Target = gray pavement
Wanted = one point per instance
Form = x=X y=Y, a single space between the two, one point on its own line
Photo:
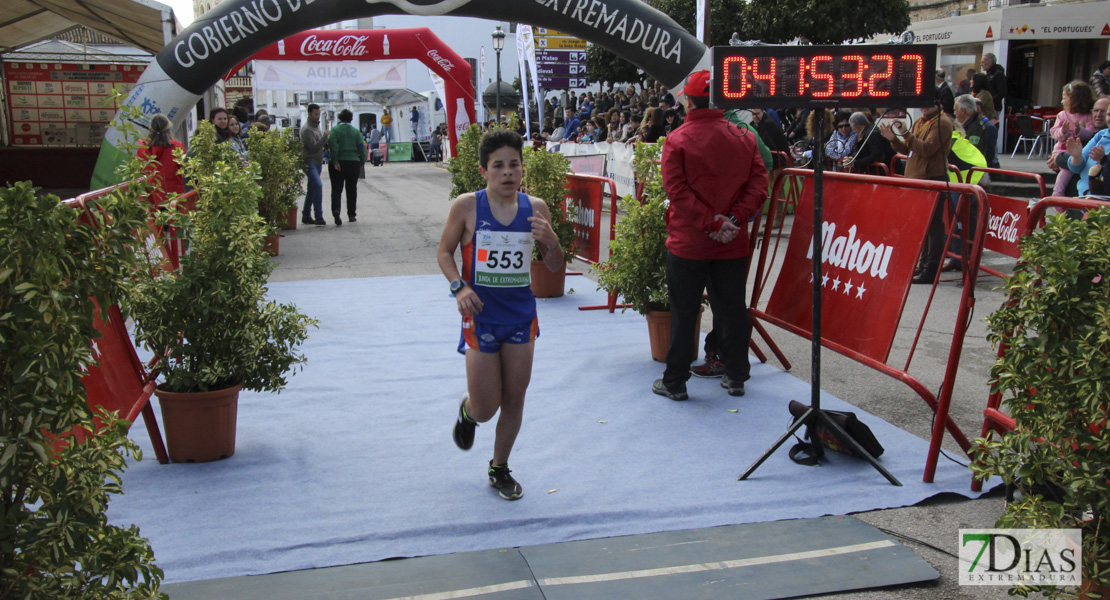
x=401 y=211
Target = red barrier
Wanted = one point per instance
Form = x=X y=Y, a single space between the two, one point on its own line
x=118 y=382
x=587 y=193
x=871 y=244
x=994 y=420
x=1007 y=218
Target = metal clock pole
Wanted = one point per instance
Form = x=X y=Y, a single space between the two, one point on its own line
x=814 y=414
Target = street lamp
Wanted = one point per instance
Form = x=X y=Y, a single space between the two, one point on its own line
x=498 y=45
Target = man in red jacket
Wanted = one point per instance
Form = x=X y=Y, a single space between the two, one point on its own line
x=715 y=181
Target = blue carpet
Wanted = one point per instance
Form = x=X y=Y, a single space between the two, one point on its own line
x=354 y=461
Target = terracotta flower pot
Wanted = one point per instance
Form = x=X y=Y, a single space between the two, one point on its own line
x=200 y=427
x=272 y=243
x=546 y=284
x=291 y=218
x=659 y=334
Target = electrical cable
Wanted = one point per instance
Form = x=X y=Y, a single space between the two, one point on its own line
x=914 y=540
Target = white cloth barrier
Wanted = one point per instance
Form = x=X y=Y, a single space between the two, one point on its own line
x=618 y=161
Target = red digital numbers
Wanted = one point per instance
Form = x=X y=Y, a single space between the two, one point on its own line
x=920 y=60
x=861 y=85
x=820 y=76
x=826 y=77
x=889 y=60
x=736 y=67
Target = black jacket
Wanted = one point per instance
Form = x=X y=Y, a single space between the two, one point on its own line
x=947 y=99
x=875 y=150
x=996 y=75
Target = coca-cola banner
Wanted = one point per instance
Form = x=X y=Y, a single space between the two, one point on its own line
x=1005 y=224
x=871 y=238
x=323 y=76
x=235 y=29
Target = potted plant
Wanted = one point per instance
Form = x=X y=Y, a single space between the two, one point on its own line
x=211 y=322
x=545 y=177
x=55 y=539
x=1053 y=375
x=637 y=265
x=282 y=166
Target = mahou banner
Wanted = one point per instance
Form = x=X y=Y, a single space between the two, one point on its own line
x=871 y=238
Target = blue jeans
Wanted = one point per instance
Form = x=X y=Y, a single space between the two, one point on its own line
x=314 y=195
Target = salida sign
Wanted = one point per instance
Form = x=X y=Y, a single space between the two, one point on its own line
x=870 y=243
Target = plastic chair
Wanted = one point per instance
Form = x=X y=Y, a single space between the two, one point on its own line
x=1030 y=134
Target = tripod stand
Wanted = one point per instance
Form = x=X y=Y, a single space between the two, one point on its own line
x=814 y=414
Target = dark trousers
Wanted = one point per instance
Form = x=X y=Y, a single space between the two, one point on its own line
x=932 y=253
x=713 y=339
x=347 y=178
x=725 y=281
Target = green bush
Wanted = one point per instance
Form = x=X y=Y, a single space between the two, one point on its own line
x=1055 y=377
x=463 y=167
x=282 y=168
x=55 y=541
x=545 y=177
x=637 y=265
x=211 y=320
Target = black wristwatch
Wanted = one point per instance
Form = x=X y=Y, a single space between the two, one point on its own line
x=457 y=285
x=734 y=220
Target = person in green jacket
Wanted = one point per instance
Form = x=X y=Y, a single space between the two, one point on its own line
x=347 y=153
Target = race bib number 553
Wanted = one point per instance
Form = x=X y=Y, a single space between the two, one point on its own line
x=504 y=259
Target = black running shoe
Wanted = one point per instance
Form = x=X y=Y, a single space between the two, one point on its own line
x=506 y=486
x=735 y=388
x=464 y=428
x=661 y=388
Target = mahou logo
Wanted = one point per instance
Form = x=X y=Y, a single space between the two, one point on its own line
x=443 y=62
x=348 y=46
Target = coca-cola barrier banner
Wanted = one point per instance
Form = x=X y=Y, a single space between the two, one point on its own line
x=235 y=29
x=871 y=238
x=1005 y=224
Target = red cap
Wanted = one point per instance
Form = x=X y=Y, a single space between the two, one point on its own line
x=697 y=84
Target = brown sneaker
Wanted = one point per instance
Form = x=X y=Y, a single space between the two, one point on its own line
x=711 y=368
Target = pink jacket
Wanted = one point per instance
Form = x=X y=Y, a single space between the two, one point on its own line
x=1086 y=125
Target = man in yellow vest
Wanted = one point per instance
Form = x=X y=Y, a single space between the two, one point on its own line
x=964 y=155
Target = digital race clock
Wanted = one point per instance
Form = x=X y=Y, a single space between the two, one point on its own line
x=889 y=75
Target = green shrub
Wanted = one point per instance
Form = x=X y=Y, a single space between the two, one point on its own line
x=637 y=265
x=55 y=541
x=545 y=177
x=463 y=167
x=1055 y=377
x=282 y=168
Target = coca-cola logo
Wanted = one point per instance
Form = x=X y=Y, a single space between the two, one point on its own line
x=1004 y=226
x=443 y=62
x=349 y=46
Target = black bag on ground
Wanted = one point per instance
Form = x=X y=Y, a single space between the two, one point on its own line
x=821 y=437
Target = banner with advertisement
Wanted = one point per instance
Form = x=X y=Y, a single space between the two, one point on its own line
x=329 y=76
x=586 y=195
x=618 y=161
x=869 y=251
x=1005 y=224
x=52 y=104
x=234 y=30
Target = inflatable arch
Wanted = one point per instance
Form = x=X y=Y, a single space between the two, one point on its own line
x=231 y=32
x=378 y=44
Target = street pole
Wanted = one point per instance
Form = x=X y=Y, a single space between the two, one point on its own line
x=498 y=44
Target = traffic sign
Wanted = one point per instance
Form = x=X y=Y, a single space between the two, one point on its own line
x=560 y=56
x=560 y=43
x=560 y=70
x=548 y=82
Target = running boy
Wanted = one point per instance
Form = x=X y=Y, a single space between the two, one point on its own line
x=497 y=227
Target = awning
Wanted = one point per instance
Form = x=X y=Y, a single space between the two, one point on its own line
x=143 y=24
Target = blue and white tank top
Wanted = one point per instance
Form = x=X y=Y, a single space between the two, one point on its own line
x=497 y=263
